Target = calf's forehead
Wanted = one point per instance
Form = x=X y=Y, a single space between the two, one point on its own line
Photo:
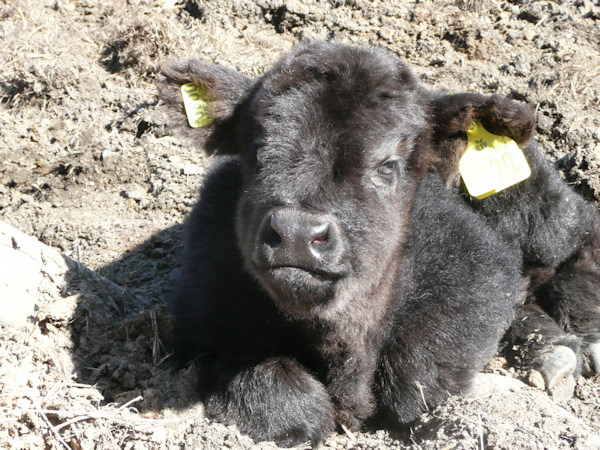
x=344 y=107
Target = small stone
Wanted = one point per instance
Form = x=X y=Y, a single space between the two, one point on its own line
x=89 y=433
x=107 y=155
x=110 y=160
x=563 y=391
x=26 y=198
x=595 y=356
x=191 y=169
x=521 y=65
x=545 y=123
x=296 y=7
x=135 y=192
x=536 y=380
x=387 y=34
x=23 y=403
x=174 y=159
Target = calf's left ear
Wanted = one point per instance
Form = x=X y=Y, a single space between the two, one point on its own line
x=223 y=91
x=453 y=115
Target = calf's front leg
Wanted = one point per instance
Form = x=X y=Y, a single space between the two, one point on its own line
x=273 y=400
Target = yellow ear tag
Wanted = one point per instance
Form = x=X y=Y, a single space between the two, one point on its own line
x=195 y=102
x=491 y=163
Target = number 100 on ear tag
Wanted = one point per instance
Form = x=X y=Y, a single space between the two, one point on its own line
x=195 y=103
x=491 y=163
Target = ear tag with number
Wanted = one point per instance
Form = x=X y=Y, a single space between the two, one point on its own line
x=491 y=163
x=195 y=102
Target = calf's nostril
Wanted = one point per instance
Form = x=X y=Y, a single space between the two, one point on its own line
x=275 y=225
x=298 y=234
x=273 y=234
x=319 y=240
x=319 y=234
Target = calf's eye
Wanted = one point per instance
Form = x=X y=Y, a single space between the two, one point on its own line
x=387 y=173
x=256 y=148
x=388 y=168
x=259 y=155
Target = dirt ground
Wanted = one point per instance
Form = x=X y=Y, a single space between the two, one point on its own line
x=87 y=168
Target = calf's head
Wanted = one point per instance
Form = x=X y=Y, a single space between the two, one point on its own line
x=333 y=142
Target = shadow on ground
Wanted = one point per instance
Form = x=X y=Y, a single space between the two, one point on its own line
x=121 y=331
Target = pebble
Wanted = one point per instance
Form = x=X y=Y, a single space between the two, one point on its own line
x=107 y=155
x=563 y=391
x=536 y=380
x=135 y=192
x=296 y=7
x=191 y=169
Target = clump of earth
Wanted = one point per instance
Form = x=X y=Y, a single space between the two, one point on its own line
x=100 y=191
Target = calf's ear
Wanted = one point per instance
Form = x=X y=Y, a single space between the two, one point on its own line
x=224 y=91
x=453 y=114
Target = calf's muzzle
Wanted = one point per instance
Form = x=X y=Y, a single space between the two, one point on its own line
x=296 y=238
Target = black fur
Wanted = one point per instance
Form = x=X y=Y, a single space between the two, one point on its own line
x=556 y=230
x=459 y=288
x=333 y=271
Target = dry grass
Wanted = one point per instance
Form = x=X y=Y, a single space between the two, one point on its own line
x=44 y=54
x=578 y=85
x=45 y=419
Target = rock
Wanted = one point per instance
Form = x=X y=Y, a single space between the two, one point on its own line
x=563 y=390
x=595 y=356
x=532 y=13
x=545 y=123
x=110 y=160
x=27 y=268
x=135 y=192
x=536 y=380
x=107 y=155
x=191 y=169
x=556 y=366
x=296 y=7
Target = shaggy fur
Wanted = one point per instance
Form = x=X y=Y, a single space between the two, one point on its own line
x=333 y=272
x=556 y=231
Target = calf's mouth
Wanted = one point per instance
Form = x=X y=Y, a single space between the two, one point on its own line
x=300 y=255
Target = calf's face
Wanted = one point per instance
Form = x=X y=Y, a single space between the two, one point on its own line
x=333 y=142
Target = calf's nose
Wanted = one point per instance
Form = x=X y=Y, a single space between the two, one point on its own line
x=300 y=231
x=292 y=237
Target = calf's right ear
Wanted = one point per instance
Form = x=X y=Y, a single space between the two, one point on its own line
x=453 y=114
x=224 y=90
